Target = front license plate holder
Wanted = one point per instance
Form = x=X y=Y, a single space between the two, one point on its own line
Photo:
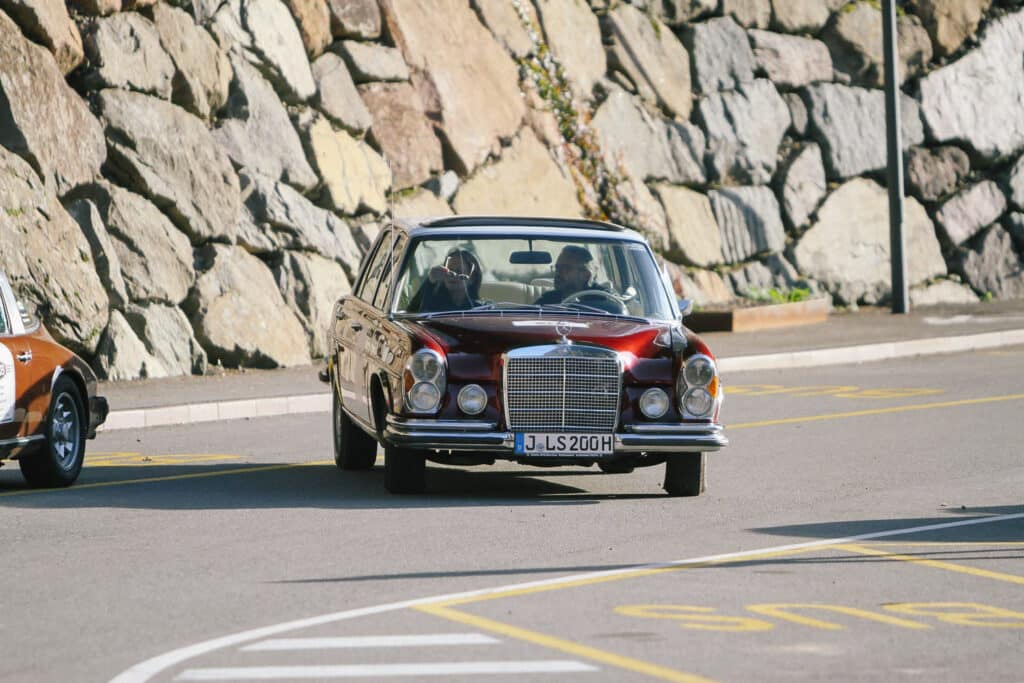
x=564 y=445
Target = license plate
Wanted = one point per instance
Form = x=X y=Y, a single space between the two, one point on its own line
x=564 y=444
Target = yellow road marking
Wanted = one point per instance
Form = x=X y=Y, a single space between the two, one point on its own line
x=834 y=390
x=877 y=411
x=174 y=477
x=135 y=459
x=567 y=646
x=936 y=564
x=779 y=611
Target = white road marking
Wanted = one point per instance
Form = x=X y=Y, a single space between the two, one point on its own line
x=423 y=640
x=266 y=673
x=144 y=671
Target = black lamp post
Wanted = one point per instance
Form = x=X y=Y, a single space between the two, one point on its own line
x=894 y=176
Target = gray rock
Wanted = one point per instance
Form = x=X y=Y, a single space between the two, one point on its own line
x=775 y=272
x=750 y=221
x=419 y=205
x=653 y=58
x=337 y=96
x=104 y=256
x=155 y=257
x=469 y=81
x=259 y=134
x=525 y=181
x=47 y=258
x=636 y=207
x=403 y=132
x=238 y=313
x=310 y=285
x=720 y=55
x=444 y=185
x=168 y=337
x=749 y=13
x=799 y=16
x=313 y=19
x=42 y=119
x=993 y=266
x=648 y=148
x=355 y=178
x=277 y=41
x=372 y=62
x=977 y=100
x=679 y=12
x=950 y=22
x=791 y=61
x=744 y=129
x=95 y=8
x=125 y=52
x=203 y=72
x=854 y=36
x=1014 y=224
x=941 y=292
x=934 y=173
x=1015 y=183
x=501 y=18
x=703 y=287
x=359 y=19
x=694 y=237
x=970 y=210
x=846 y=122
x=47 y=23
x=122 y=356
x=797 y=113
x=290 y=221
x=847 y=249
x=166 y=154
x=803 y=185
x=574 y=37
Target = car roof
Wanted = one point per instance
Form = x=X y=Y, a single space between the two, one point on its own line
x=500 y=225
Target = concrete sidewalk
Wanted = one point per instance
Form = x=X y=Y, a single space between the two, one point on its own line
x=846 y=337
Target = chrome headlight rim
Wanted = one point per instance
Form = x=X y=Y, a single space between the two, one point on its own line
x=700 y=393
x=691 y=366
x=436 y=379
x=651 y=395
x=464 y=397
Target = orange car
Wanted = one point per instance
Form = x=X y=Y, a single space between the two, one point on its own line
x=48 y=401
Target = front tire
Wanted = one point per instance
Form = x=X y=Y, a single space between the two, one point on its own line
x=685 y=474
x=59 y=463
x=405 y=470
x=354 y=449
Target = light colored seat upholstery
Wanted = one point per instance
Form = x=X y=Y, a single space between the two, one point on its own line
x=511 y=292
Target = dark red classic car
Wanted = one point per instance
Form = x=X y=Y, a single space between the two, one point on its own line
x=48 y=401
x=543 y=341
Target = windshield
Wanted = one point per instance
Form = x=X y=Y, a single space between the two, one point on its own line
x=445 y=274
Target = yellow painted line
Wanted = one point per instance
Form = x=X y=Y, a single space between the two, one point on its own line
x=935 y=564
x=175 y=477
x=934 y=544
x=877 y=411
x=567 y=646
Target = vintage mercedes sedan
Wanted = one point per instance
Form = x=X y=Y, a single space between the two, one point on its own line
x=48 y=401
x=547 y=342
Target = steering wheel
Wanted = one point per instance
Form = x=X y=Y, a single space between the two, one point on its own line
x=614 y=304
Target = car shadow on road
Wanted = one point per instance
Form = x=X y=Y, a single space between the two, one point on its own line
x=308 y=485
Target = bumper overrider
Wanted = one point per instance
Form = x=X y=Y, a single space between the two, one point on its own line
x=479 y=435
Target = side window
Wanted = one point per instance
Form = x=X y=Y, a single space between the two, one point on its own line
x=368 y=287
x=4 y=327
x=383 y=297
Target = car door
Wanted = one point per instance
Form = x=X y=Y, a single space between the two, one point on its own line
x=14 y=377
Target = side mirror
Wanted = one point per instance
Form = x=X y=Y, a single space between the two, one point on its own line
x=685 y=307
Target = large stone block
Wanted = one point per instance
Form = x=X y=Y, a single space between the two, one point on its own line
x=124 y=51
x=573 y=33
x=791 y=61
x=42 y=119
x=803 y=185
x=950 y=22
x=168 y=337
x=501 y=18
x=337 y=96
x=368 y=62
x=313 y=19
x=166 y=154
x=970 y=210
x=935 y=173
x=403 y=132
x=854 y=36
x=355 y=178
x=977 y=100
x=720 y=55
x=203 y=70
x=122 y=356
x=310 y=285
x=847 y=249
x=694 y=237
x=360 y=19
x=991 y=266
x=750 y=221
x=47 y=23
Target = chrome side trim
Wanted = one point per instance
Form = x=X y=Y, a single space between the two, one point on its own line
x=653 y=428
x=408 y=424
x=21 y=441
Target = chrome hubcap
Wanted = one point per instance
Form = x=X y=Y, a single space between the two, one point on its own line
x=65 y=431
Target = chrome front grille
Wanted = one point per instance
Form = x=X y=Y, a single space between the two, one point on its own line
x=562 y=391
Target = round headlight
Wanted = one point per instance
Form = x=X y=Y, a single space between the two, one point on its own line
x=699 y=371
x=472 y=399
x=654 y=403
x=424 y=396
x=698 y=402
x=426 y=365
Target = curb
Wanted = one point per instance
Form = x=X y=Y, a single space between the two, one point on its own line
x=196 y=413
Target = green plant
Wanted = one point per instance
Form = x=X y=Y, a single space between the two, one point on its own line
x=987 y=297
x=779 y=296
x=15 y=212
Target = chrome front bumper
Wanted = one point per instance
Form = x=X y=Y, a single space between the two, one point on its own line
x=476 y=435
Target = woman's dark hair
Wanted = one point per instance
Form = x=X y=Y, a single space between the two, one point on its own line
x=476 y=274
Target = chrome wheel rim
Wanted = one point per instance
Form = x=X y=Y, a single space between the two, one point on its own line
x=65 y=431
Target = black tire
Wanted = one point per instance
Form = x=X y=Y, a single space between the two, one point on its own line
x=685 y=474
x=615 y=467
x=354 y=449
x=405 y=470
x=59 y=462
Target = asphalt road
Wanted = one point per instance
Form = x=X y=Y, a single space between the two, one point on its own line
x=866 y=523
